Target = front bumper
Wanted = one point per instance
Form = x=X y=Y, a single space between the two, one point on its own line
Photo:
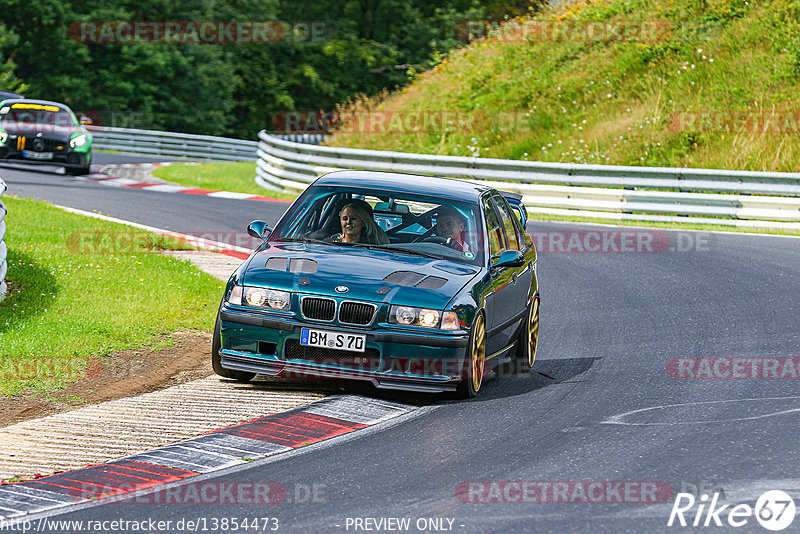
x=62 y=158
x=393 y=359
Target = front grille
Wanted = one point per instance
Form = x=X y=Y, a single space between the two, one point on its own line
x=370 y=360
x=48 y=145
x=356 y=313
x=318 y=309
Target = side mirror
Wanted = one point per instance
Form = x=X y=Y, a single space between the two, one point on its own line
x=86 y=121
x=508 y=258
x=259 y=230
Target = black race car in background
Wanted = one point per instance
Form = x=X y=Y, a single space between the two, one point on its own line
x=44 y=132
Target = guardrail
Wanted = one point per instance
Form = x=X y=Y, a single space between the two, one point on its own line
x=731 y=198
x=172 y=144
x=184 y=146
x=3 y=251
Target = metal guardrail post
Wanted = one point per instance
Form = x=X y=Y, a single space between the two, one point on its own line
x=3 y=250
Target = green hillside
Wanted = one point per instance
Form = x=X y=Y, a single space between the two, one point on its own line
x=692 y=83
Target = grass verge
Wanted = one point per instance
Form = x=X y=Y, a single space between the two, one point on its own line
x=236 y=176
x=83 y=288
x=705 y=84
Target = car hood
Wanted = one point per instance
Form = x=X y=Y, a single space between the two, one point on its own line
x=368 y=275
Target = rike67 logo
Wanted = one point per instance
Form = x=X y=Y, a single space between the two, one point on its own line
x=774 y=511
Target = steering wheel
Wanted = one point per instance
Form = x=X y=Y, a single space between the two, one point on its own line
x=424 y=237
x=436 y=239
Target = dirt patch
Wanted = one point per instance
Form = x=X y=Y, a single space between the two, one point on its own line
x=9 y=288
x=123 y=374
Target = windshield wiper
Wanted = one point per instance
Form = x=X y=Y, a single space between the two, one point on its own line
x=397 y=249
x=304 y=240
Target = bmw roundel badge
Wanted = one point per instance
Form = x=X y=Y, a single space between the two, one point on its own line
x=342 y=289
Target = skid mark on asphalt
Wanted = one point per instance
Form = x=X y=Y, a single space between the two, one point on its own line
x=228 y=447
x=657 y=412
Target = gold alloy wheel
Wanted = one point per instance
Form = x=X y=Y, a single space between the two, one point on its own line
x=533 y=331
x=478 y=356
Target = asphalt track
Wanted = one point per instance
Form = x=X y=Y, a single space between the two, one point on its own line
x=611 y=322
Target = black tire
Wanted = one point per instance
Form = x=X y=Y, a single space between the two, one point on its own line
x=241 y=376
x=528 y=339
x=79 y=170
x=476 y=360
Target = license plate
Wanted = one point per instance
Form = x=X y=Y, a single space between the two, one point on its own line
x=311 y=337
x=37 y=155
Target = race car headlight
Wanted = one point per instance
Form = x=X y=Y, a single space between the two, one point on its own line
x=3 y=137
x=261 y=297
x=77 y=141
x=424 y=317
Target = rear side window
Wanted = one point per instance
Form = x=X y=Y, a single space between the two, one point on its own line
x=494 y=229
x=507 y=219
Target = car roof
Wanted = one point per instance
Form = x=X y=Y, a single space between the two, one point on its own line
x=32 y=101
x=405 y=183
x=5 y=95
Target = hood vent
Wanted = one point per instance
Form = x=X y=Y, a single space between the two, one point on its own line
x=295 y=265
x=302 y=265
x=276 y=264
x=412 y=279
x=404 y=278
x=431 y=282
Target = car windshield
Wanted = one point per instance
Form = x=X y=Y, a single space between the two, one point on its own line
x=400 y=222
x=36 y=117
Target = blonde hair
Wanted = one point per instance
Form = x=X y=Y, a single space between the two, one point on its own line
x=371 y=233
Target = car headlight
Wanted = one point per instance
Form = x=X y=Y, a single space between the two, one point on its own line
x=266 y=298
x=260 y=297
x=3 y=137
x=77 y=141
x=424 y=317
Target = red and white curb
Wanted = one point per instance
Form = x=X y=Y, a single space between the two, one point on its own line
x=234 y=251
x=221 y=449
x=135 y=176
